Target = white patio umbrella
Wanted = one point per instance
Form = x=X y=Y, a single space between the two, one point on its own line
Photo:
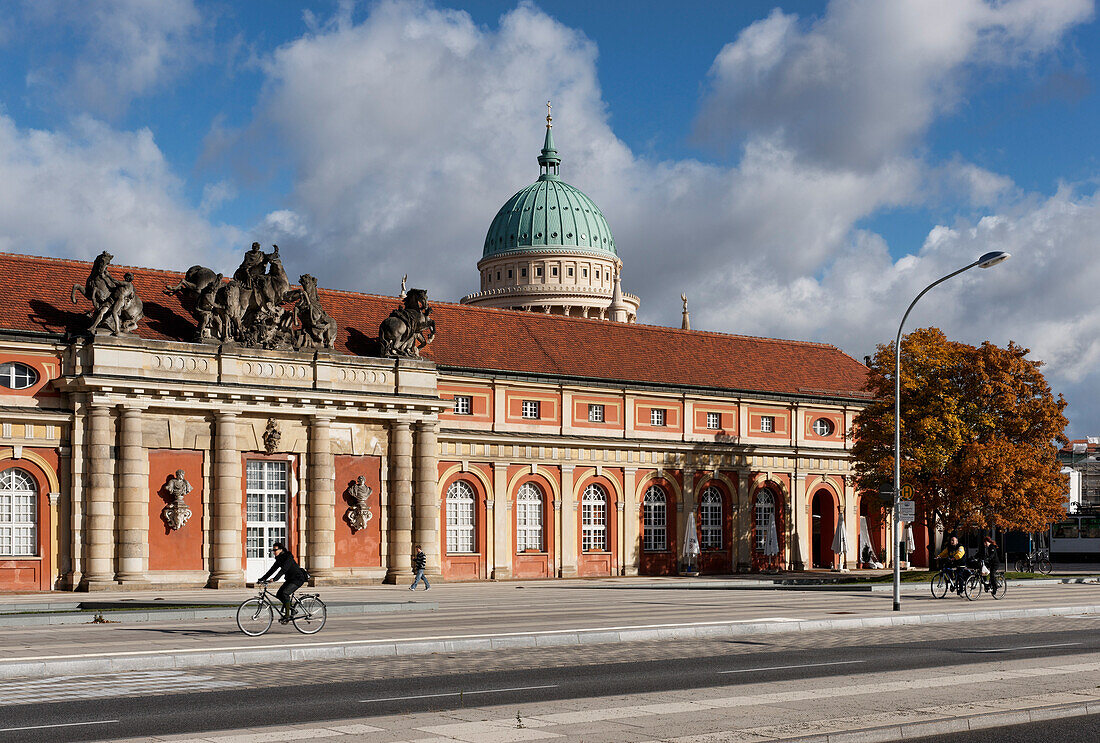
x=771 y=539
x=910 y=542
x=840 y=542
x=691 y=539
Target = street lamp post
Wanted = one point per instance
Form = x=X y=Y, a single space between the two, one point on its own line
x=986 y=261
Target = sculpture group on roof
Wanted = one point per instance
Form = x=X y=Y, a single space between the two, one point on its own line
x=257 y=308
x=114 y=302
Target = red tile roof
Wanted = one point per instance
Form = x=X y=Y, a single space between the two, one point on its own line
x=35 y=296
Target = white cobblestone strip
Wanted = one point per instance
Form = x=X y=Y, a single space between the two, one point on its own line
x=65 y=688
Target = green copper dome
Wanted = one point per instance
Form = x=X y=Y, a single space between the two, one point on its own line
x=549 y=215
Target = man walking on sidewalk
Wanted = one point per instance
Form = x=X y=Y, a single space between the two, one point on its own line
x=420 y=561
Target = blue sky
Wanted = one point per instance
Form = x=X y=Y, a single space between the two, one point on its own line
x=800 y=169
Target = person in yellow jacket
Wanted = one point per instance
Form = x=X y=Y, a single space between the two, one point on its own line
x=954 y=555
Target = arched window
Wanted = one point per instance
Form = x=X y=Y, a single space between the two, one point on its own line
x=594 y=518
x=529 y=517
x=655 y=520
x=460 y=517
x=18 y=513
x=765 y=517
x=710 y=518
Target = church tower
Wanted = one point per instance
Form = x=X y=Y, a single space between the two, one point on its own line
x=550 y=249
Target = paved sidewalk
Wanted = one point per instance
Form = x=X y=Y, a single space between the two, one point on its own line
x=842 y=709
x=485 y=616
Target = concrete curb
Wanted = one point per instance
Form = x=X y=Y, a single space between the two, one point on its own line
x=799 y=585
x=912 y=730
x=85 y=616
x=142 y=660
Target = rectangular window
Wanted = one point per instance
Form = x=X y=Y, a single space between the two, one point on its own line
x=464 y=405
x=531 y=409
x=498 y=275
x=509 y=273
x=18 y=515
x=767 y=423
x=569 y=271
x=597 y=275
x=656 y=416
x=266 y=491
x=595 y=413
x=523 y=272
x=538 y=270
x=714 y=421
x=584 y=273
x=554 y=271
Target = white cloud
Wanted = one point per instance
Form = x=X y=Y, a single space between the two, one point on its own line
x=96 y=188
x=862 y=84
x=123 y=48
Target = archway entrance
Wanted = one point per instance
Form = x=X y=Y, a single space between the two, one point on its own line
x=822 y=528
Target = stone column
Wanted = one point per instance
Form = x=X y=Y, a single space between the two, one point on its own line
x=401 y=503
x=568 y=526
x=99 y=570
x=631 y=547
x=746 y=520
x=798 y=546
x=133 y=500
x=322 y=500
x=426 y=520
x=228 y=521
x=77 y=459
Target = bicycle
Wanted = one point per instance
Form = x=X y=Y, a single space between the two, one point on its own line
x=978 y=582
x=255 y=615
x=945 y=581
x=1035 y=561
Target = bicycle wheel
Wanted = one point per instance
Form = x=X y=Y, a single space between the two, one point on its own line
x=972 y=588
x=939 y=585
x=1002 y=587
x=254 y=617
x=1022 y=566
x=310 y=615
x=1044 y=566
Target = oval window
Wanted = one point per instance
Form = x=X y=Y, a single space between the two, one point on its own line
x=17 y=376
x=823 y=427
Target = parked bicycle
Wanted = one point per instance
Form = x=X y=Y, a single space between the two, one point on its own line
x=255 y=615
x=1037 y=561
x=946 y=580
x=983 y=581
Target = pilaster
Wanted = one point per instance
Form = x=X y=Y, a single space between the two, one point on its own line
x=427 y=494
x=401 y=502
x=630 y=519
x=322 y=500
x=567 y=527
x=133 y=516
x=228 y=552
x=100 y=520
x=501 y=528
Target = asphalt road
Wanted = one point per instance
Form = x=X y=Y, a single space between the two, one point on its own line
x=320 y=697
x=1084 y=729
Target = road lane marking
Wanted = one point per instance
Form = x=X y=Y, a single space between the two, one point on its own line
x=59 y=725
x=1022 y=647
x=806 y=665
x=459 y=693
x=384 y=641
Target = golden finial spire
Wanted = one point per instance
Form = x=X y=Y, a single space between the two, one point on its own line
x=549 y=118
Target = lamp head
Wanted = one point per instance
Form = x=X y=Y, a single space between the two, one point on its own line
x=992 y=259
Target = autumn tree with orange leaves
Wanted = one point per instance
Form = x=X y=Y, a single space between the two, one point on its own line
x=979 y=433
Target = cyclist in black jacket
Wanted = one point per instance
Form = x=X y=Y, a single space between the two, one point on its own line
x=294 y=577
x=989 y=557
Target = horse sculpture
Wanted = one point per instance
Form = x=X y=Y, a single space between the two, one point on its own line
x=97 y=289
x=408 y=328
x=194 y=282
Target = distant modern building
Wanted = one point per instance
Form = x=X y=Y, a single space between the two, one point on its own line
x=523 y=445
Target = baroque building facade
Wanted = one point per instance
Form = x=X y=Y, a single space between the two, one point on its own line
x=201 y=419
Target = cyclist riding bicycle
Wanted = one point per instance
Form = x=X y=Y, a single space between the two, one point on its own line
x=293 y=574
x=954 y=555
x=989 y=557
